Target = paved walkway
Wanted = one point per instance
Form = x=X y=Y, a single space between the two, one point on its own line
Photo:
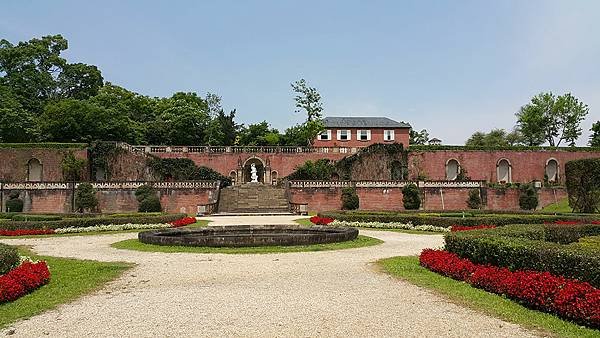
x=329 y=294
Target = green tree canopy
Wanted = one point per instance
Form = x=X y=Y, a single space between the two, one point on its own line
x=258 y=134
x=495 y=138
x=595 y=137
x=419 y=137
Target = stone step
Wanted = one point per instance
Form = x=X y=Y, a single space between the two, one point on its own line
x=252 y=198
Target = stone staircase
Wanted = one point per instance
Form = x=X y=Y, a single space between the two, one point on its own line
x=253 y=198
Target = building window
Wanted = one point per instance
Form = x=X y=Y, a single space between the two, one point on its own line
x=452 y=170
x=388 y=135
x=343 y=135
x=363 y=135
x=325 y=136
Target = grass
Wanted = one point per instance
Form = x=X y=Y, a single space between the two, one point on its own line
x=307 y=222
x=561 y=206
x=70 y=279
x=134 y=244
x=198 y=224
x=408 y=268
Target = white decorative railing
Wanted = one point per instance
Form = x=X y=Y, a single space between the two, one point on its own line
x=451 y=184
x=130 y=185
x=239 y=150
x=320 y=184
x=385 y=184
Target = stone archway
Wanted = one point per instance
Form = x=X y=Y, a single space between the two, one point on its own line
x=34 y=170
x=262 y=170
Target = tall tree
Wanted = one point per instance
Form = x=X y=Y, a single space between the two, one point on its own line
x=495 y=138
x=308 y=100
x=419 y=137
x=258 y=134
x=595 y=137
x=222 y=129
x=79 y=81
x=16 y=124
x=551 y=119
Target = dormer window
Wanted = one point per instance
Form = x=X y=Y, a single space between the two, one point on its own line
x=388 y=135
x=343 y=135
x=325 y=135
x=363 y=135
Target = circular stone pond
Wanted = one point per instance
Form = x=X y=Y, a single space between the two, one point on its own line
x=248 y=235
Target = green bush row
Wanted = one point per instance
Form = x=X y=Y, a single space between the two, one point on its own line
x=522 y=247
x=87 y=222
x=9 y=258
x=444 y=221
x=49 y=145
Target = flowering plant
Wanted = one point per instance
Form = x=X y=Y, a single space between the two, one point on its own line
x=25 y=232
x=567 y=298
x=321 y=220
x=456 y=228
x=183 y=222
x=390 y=225
x=23 y=279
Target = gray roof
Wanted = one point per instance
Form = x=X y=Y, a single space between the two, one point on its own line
x=363 y=122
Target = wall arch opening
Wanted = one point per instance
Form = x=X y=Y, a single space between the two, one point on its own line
x=452 y=169
x=504 y=171
x=551 y=171
x=34 y=170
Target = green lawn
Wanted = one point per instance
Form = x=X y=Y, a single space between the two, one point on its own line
x=69 y=280
x=408 y=268
x=198 y=224
x=561 y=206
x=134 y=244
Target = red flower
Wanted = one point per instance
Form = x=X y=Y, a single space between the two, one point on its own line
x=321 y=220
x=568 y=298
x=23 y=279
x=25 y=232
x=455 y=228
x=183 y=222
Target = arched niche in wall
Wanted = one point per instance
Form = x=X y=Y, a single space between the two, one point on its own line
x=233 y=176
x=552 y=170
x=34 y=170
x=452 y=169
x=396 y=171
x=504 y=171
x=274 y=177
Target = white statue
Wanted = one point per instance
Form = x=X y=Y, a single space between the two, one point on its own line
x=253 y=174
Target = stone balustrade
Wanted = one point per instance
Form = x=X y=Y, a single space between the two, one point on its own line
x=385 y=184
x=237 y=150
x=129 y=185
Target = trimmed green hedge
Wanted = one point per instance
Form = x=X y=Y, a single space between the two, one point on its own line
x=583 y=184
x=88 y=221
x=49 y=145
x=513 y=148
x=446 y=220
x=526 y=247
x=9 y=258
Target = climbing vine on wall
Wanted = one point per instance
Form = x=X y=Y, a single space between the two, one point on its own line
x=101 y=154
x=183 y=169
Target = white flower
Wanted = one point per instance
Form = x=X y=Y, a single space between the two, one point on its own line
x=112 y=227
x=390 y=225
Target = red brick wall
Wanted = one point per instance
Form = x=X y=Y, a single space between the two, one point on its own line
x=13 y=162
x=401 y=135
x=46 y=201
x=481 y=165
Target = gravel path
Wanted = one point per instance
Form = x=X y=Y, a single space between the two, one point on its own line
x=330 y=294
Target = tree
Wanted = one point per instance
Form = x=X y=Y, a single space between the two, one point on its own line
x=72 y=167
x=308 y=99
x=474 y=200
x=258 y=134
x=16 y=124
x=419 y=138
x=350 y=200
x=595 y=137
x=147 y=199
x=85 y=198
x=79 y=81
x=551 y=119
x=495 y=138
x=411 y=197
x=222 y=129
x=183 y=121
x=528 y=197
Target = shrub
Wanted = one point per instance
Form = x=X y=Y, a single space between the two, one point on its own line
x=321 y=169
x=9 y=258
x=350 y=199
x=72 y=167
x=183 y=169
x=85 y=198
x=520 y=247
x=474 y=200
x=147 y=199
x=583 y=184
x=528 y=197
x=22 y=280
x=14 y=205
x=411 y=197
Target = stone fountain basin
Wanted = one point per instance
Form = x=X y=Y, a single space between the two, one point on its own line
x=248 y=235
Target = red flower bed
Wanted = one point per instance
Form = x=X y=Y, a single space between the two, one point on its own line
x=455 y=228
x=183 y=222
x=573 y=222
x=321 y=220
x=567 y=298
x=23 y=279
x=26 y=232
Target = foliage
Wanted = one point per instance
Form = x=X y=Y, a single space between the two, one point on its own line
x=183 y=169
x=411 y=197
x=474 y=200
x=569 y=298
x=72 y=167
x=16 y=123
x=418 y=137
x=148 y=201
x=552 y=119
x=420 y=148
x=520 y=247
x=22 y=280
x=101 y=154
x=308 y=100
x=528 y=197
x=14 y=203
x=9 y=258
x=259 y=134
x=321 y=169
x=390 y=225
x=495 y=138
x=90 y=220
x=46 y=145
x=595 y=136
x=350 y=200
x=583 y=184
x=85 y=198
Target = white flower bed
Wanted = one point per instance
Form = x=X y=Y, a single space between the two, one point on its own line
x=113 y=227
x=390 y=225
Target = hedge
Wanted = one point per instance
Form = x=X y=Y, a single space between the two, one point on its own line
x=444 y=221
x=522 y=247
x=583 y=184
x=9 y=258
x=49 y=145
x=88 y=222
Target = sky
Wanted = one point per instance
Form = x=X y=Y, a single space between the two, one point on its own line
x=452 y=67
